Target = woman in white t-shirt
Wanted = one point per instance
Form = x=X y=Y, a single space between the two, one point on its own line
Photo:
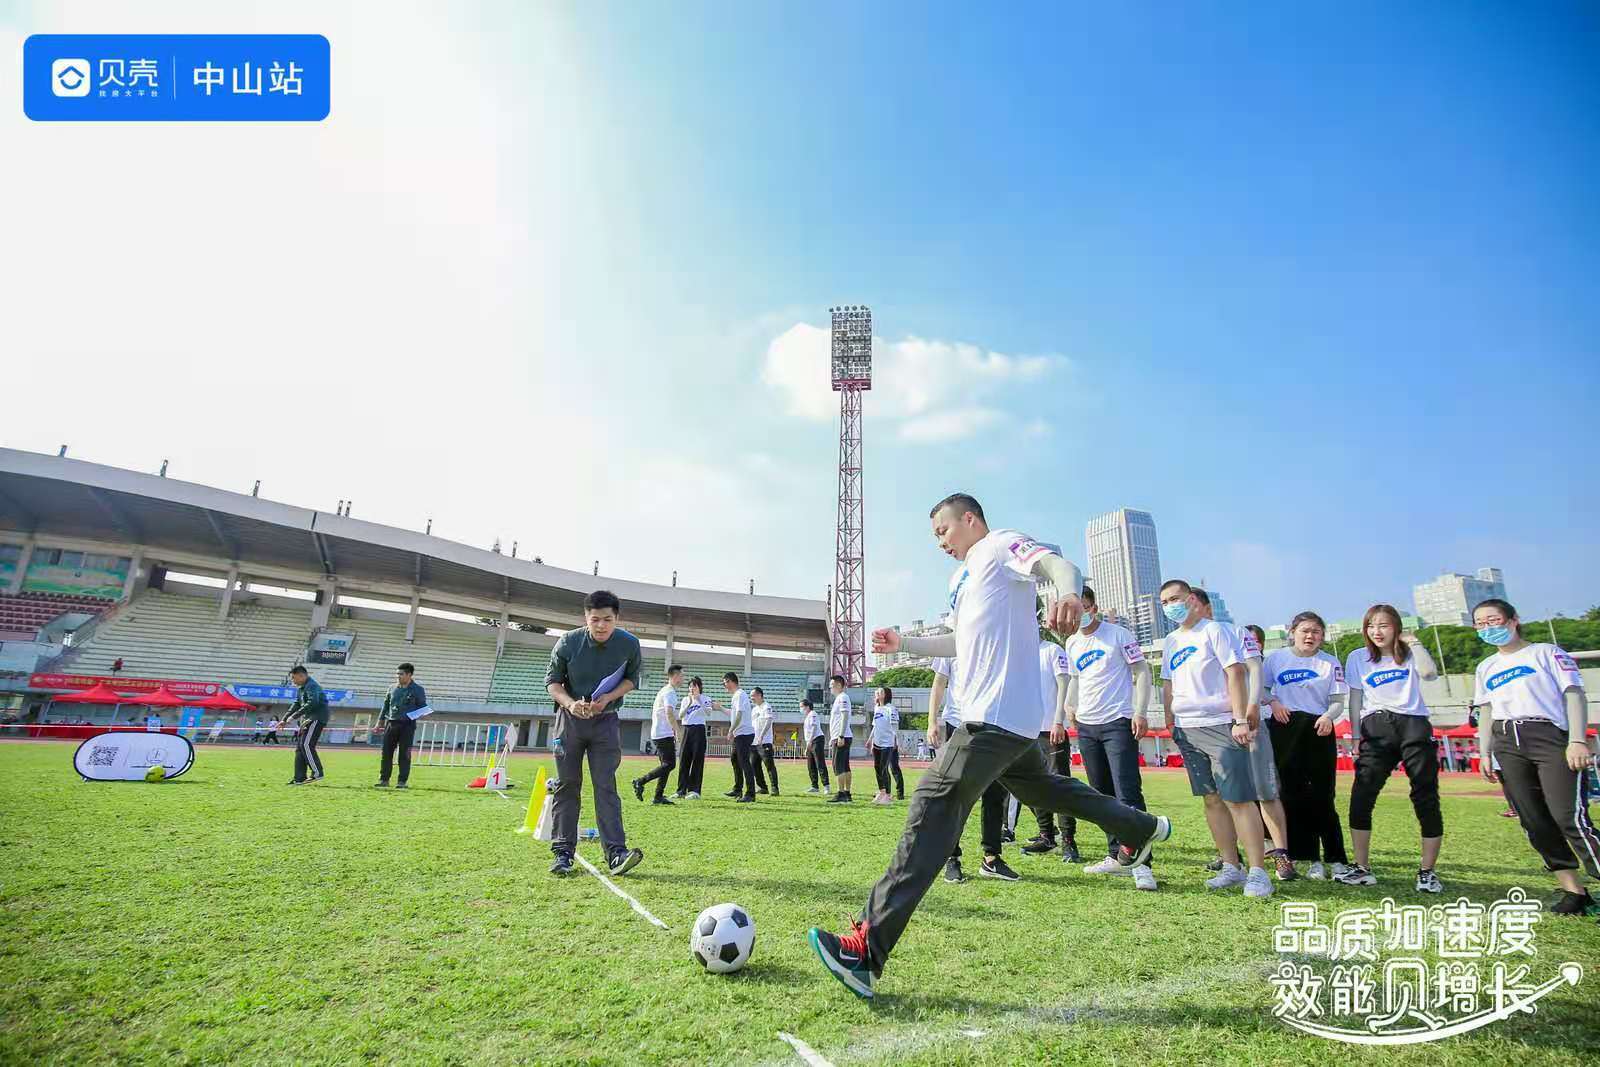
x=885 y=746
x=761 y=719
x=1390 y=726
x=692 y=761
x=1536 y=726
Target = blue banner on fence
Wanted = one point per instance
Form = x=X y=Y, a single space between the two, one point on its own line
x=175 y=77
x=286 y=693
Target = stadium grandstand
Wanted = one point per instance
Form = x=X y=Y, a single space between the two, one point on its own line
x=134 y=579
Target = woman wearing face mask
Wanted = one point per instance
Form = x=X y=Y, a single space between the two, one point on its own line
x=1536 y=727
x=1385 y=676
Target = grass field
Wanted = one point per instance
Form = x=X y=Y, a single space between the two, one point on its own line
x=225 y=917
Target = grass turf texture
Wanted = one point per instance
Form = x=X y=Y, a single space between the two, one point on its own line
x=225 y=917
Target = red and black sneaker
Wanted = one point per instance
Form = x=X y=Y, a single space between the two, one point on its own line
x=1128 y=858
x=848 y=958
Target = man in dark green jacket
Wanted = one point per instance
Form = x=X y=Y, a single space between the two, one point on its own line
x=311 y=707
x=406 y=696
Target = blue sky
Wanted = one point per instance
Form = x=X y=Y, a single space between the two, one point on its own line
x=1319 y=290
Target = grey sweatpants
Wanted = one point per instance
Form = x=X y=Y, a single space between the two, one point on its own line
x=972 y=760
x=600 y=740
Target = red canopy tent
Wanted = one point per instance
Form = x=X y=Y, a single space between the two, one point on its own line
x=1465 y=730
x=161 y=698
x=1341 y=728
x=222 y=700
x=99 y=693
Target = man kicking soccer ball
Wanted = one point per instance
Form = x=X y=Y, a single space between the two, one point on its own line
x=996 y=650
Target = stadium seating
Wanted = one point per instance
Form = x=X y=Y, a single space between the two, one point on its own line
x=519 y=679
x=453 y=660
x=26 y=613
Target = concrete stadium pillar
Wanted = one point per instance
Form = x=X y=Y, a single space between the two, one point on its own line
x=22 y=567
x=132 y=581
x=320 y=613
x=411 y=619
x=227 y=594
x=500 y=635
x=672 y=640
x=749 y=655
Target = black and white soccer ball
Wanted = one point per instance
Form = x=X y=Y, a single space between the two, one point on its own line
x=722 y=938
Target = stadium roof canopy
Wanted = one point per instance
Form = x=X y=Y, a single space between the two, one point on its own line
x=182 y=523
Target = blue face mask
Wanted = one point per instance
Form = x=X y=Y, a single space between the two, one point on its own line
x=1177 y=612
x=1087 y=620
x=1496 y=635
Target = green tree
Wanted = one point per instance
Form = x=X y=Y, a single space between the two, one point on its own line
x=1592 y=615
x=905 y=678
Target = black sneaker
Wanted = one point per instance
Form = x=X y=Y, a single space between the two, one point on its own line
x=1283 y=864
x=1428 y=882
x=625 y=860
x=400 y=785
x=732 y=794
x=661 y=800
x=381 y=785
x=561 y=866
x=297 y=781
x=1069 y=851
x=996 y=868
x=748 y=799
x=638 y=788
x=1575 y=904
x=848 y=958
x=761 y=789
x=1039 y=846
x=952 y=871
x=1356 y=874
x=1007 y=835
x=838 y=798
x=1136 y=857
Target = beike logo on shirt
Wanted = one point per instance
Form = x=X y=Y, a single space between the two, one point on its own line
x=1299 y=674
x=1090 y=657
x=1181 y=656
x=956 y=592
x=1497 y=680
x=1385 y=677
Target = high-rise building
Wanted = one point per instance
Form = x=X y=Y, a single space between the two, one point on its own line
x=1219 y=607
x=1450 y=598
x=918 y=628
x=1125 y=570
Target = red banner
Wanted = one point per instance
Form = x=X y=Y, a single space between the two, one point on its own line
x=77 y=682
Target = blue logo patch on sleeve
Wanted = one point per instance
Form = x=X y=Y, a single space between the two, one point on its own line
x=1090 y=657
x=1510 y=675
x=1299 y=674
x=1181 y=656
x=1378 y=678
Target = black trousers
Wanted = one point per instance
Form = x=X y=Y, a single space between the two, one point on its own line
x=692 y=763
x=1111 y=763
x=991 y=810
x=306 y=761
x=886 y=764
x=744 y=764
x=397 y=739
x=763 y=755
x=974 y=759
x=1307 y=766
x=1059 y=759
x=667 y=754
x=1551 y=799
x=817 y=760
x=1388 y=740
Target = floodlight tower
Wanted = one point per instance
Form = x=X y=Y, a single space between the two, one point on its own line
x=852 y=376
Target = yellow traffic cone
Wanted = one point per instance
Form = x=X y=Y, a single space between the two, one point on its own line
x=530 y=822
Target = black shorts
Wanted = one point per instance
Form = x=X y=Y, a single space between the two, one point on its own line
x=841 y=758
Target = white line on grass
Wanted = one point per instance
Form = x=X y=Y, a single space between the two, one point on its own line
x=805 y=1051
x=609 y=884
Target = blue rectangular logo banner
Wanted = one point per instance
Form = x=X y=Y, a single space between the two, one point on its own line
x=175 y=77
x=286 y=693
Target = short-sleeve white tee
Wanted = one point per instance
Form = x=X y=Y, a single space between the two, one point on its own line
x=1193 y=663
x=1052 y=665
x=694 y=710
x=950 y=714
x=1528 y=683
x=739 y=708
x=660 y=724
x=1301 y=683
x=1103 y=663
x=1385 y=685
x=885 y=725
x=812 y=726
x=839 y=719
x=761 y=719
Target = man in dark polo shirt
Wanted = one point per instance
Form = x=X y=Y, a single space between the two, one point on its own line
x=311 y=706
x=591 y=669
x=406 y=696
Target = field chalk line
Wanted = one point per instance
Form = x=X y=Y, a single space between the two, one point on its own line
x=609 y=884
x=812 y=1057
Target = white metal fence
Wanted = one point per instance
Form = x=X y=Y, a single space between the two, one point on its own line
x=457 y=744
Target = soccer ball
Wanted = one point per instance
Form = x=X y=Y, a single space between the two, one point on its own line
x=722 y=938
x=156 y=773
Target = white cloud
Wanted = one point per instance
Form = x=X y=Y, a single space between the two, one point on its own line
x=937 y=390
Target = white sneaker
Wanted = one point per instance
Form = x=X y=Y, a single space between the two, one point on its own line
x=1317 y=872
x=1337 y=870
x=826 y=791
x=1257 y=884
x=1229 y=877
x=883 y=798
x=812 y=791
x=692 y=796
x=1109 y=865
x=1144 y=878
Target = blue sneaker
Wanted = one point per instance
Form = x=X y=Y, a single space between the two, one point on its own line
x=848 y=958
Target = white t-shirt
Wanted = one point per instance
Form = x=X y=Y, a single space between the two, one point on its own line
x=695 y=711
x=839 y=719
x=761 y=719
x=885 y=725
x=1192 y=664
x=660 y=725
x=1306 y=684
x=812 y=725
x=1386 y=685
x=951 y=712
x=739 y=713
x=1103 y=663
x=1248 y=645
x=1528 y=683
x=1053 y=664
x=993 y=607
